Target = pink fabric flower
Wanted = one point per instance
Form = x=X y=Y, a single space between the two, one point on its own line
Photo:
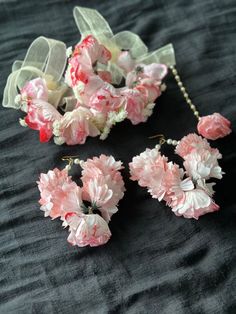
x=84 y=57
x=35 y=89
x=102 y=165
x=148 y=168
x=96 y=51
x=155 y=71
x=195 y=204
x=162 y=178
x=149 y=88
x=152 y=71
x=104 y=100
x=103 y=184
x=214 y=126
x=40 y=116
x=75 y=126
x=136 y=103
x=192 y=142
x=77 y=73
x=86 y=230
x=203 y=164
x=59 y=194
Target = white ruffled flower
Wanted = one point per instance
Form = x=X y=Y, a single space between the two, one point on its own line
x=195 y=204
x=203 y=164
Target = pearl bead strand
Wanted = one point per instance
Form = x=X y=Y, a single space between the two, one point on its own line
x=184 y=92
x=168 y=141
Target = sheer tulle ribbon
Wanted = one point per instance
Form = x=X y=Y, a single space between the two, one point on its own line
x=90 y=21
x=45 y=58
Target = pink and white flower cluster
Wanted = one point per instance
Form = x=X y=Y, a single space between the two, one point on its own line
x=214 y=126
x=86 y=210
x=187 y=191
x=97 y=103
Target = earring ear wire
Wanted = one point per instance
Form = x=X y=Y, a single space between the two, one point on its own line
x=71 y=160
x=161 y=137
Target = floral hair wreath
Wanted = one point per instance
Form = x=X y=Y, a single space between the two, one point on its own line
x=86 y=210
x=86 y=101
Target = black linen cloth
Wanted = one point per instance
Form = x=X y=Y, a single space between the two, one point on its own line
x=155 y=262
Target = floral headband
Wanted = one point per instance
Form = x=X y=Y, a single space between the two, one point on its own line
x=87 y=101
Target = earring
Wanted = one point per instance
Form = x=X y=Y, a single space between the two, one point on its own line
x=86 y=210
x=186 y=190
x=213 y=126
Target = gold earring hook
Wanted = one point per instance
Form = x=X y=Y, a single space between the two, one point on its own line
x=161 y=137
x=70 y=159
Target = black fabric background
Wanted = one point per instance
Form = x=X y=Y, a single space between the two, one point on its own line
x=155 y=261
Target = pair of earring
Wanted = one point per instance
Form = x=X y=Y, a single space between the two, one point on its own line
x=87 y=210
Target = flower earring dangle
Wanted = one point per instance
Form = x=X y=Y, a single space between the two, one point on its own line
x=186 y=190
x=86 y=210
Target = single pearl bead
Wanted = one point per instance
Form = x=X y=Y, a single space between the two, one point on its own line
x=174 y=142
x=169 y=141
x=68 y=167
x=76 y=161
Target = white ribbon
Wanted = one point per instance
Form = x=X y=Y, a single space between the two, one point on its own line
x=90 y=21
x=45 y=58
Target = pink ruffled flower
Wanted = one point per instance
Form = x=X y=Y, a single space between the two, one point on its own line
x=152 y=71
x=59 y=194
x=203 y=164
x=214 y=126
x=155 y=71
x=103 y=184
x=105 y=101
x=41 y=116
x=149 y=88
x=77 y=73
x=172 y=186
x=86 y=230
x=162 y=178
x=148 y=168
x=35 y=89
x=195 y=204
x=102 y=165
x=96 y=51
x=190 y=143
x=85 y=55
x=75 y=126
x=136 y=103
